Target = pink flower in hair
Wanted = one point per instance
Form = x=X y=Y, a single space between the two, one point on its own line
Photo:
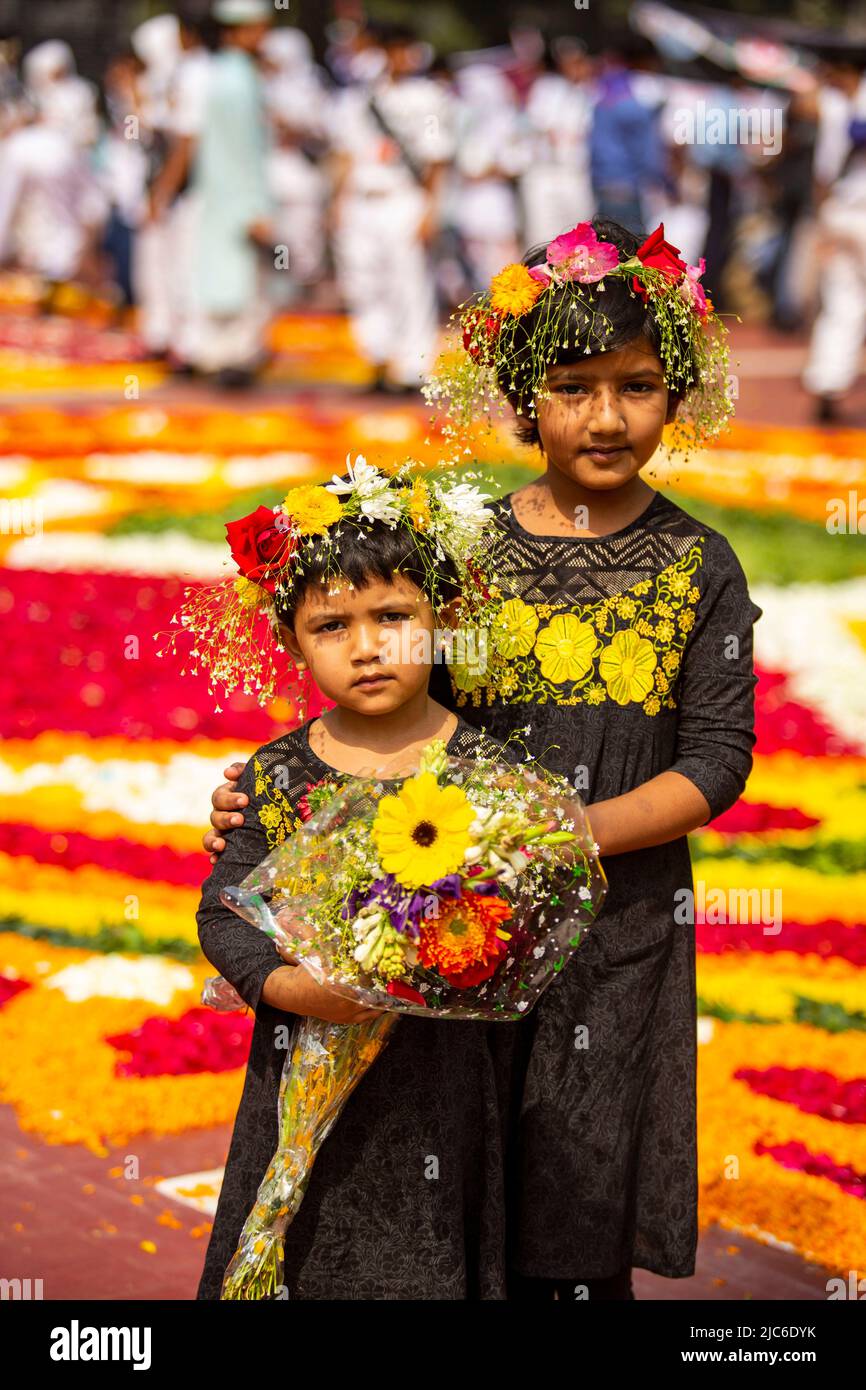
x=694 y=293
x=579 y=255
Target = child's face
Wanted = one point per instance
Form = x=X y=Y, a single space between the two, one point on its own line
x=604 y=416
x=344 y=635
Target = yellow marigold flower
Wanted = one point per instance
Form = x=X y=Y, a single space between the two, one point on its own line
x=513 y=290
x=564 y=648
x=665 y=631
x=626 y=667
x=422 y=833
x=251 y=595
x=313 y=509
x=651 y=705
x=514 y=628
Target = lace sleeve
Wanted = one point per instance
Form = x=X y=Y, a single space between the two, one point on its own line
x=240 y=952
x=715 y=730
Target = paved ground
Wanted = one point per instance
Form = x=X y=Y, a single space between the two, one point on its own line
x=75 y=1222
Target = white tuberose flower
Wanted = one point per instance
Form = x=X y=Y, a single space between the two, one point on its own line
x=370 y=487
x=463 y=505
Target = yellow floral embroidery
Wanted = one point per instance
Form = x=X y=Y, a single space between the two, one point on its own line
x=626 y=666
x=469 y=675
x=514 y=628
x=626 y=648
x=276 y=815
x=565 y=648
x=679 y=584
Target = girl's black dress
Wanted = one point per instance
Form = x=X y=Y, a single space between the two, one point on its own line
x=628 y=655
x=406 y=1198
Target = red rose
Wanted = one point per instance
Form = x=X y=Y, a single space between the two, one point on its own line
x=401 y=991
x=658 y=254
x=258 y=545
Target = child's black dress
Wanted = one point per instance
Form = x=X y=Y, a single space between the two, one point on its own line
x=628 y=655
x=406 y=1198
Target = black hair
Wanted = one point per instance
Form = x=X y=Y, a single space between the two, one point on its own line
x=367 y=551
x=625 y=313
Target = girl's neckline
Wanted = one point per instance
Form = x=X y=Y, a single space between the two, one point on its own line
x=329 y=767
x=584 y=540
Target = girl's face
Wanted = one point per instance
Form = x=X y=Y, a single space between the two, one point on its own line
x=604 y=416
x=369 y=650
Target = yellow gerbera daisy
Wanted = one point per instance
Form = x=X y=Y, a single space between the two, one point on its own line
x=626 y=666
x=564 y=648
x=422 y=833
x=513 y=290
x=514 y=628
x=313 y=509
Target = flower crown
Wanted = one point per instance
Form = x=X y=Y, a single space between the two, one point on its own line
x=272 y=546
x=499 y=348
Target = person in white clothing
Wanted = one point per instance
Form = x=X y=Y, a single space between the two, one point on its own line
x=489 y=156
x=556 y=188
x=51 y=208
x=174 y=205
x=297 y=101
x=157 y=43
x=61 y=98
x=392 y=142
x=839 y=330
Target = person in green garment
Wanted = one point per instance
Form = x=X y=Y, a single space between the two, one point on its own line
x=229 y=175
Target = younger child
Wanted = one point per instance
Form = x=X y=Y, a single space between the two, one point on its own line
x=406 y=1198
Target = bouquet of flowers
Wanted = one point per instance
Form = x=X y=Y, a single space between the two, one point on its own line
x=461 y=894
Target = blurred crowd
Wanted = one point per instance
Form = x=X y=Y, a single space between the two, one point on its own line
x=220 y=173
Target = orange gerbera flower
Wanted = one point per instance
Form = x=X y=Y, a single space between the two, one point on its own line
x=464 y=943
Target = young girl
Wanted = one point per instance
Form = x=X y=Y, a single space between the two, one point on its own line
x=626 y=646
x=406 y=1198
